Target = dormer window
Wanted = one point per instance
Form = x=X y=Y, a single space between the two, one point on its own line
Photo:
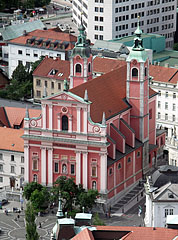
x=170 y=195
x=134 y=72
x=53 y=72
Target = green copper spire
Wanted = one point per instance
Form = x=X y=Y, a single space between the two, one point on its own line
x=138 y=42
x=82 y=46
x=138 y=52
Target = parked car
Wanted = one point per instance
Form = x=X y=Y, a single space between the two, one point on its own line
x=3 y=201
x=16 y=210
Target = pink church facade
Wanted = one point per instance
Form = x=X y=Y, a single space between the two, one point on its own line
x=102 y=132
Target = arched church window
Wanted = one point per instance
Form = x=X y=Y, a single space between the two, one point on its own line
x=64 y=168
x=78 y=68
x=145 y=72
x=80 y=40
x=94 y=185
x=64 y=123
x=134 y=72
x=89 y=67
x=35 y=178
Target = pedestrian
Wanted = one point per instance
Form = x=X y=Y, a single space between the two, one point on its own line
x=18 y=216
x=39 y=224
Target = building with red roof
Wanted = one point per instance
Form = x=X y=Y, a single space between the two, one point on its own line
x=101 y=131
x=31 y=46
x=49 y=76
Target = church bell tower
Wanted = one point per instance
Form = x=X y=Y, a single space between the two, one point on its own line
x=81 y=61
x=137 y=88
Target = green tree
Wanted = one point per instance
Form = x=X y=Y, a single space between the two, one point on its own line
x=20 y=85
x=87 y=199
x=40 y=199
x=68 y=190
x=30 y=188
x=31 y=232
x=98 y=221
x=175 y=47
x=73 y=196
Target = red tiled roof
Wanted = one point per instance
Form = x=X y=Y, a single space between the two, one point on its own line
x=163 y=74
x=16 y=115
x=84 y=235
x=104 y=65
x=146 y=233
x=107 y=93
x=3 y=118
x=52 y=34
x=48 y=64
x=11 y=139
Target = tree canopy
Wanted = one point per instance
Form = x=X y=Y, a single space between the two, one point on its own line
x=73 y=196
x=38 y=195
x=30 y=188
x=8 y=4
x=31 y=232
x=20 y=86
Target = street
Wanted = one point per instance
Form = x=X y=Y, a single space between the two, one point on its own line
x=14 y=228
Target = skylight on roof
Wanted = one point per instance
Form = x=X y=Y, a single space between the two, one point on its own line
x=60 y=74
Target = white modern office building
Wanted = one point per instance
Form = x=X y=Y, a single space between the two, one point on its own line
x=109 y=19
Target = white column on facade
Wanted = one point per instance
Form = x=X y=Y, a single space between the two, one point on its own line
x=26 y=159
x=43 y=165
x=78 y=119
x=50 y=167
x=85 y=170
x=70 y=123
x=59 y=122
x=85 y=120
x=44 y=115
x=78 y=167
x=103 y=173
x=50 y=116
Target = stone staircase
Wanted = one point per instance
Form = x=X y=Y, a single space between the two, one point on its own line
x=127 y=199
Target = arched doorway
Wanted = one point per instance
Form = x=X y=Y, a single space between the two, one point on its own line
x=12 y=181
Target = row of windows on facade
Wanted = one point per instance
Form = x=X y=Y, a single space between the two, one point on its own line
x=12 y=169
x=149 y=12
x=35 y=179
x=36 y=53
x=64 y=169
x=166 y=117
x=166 y=106
x=167 y=94
x=12 y=158
x=38 y=83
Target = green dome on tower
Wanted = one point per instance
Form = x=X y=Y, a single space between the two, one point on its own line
x=82 y=46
